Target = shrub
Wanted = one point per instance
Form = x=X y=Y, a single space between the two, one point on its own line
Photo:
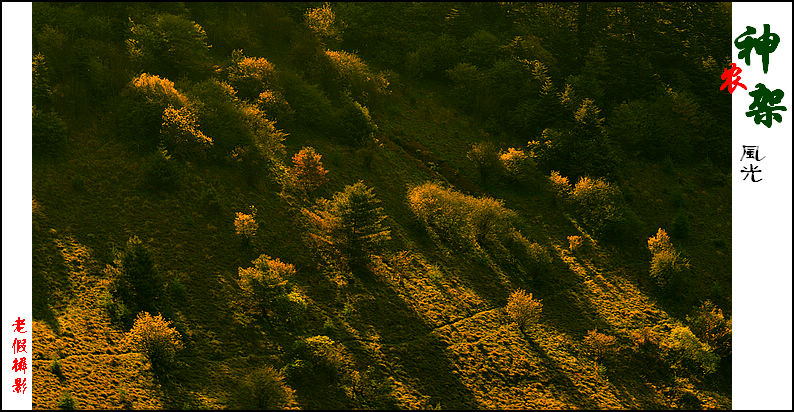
x=680 y=225
x=180 y=131
x=599 y=344
x=351 y=221
x=523 y=309
x=42 y=89
x=245 y=224
x=141 y=111
x=156 y=339
x=560 y=185
x=161 y=172
x=275 y=105
x=515 y=163
x=136 y=279
x=355 y=123
x=485 y=158
x=355 y=76
x=67 y=402
x=667 y=266
x=322 y=21
x=326 y=356
x=251 y=76
x=600 y=206
x=307 y=169
x=264 y=389
x=49 y=133
x=574 y=243
x=709 y=324
x=265 y=136
x=170 y=45
x=56 y=368
x=462 y=220
x=266 y=280
x=684 y=349
x=659 y=242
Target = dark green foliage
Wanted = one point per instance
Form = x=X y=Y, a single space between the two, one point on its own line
x=352 y=222
x=709 y=324
x=136 y=281
x=485 y=157
x=161 y=172
x=49 y=133
x=680 y=226
x=355 y=126
x=169 y=45
x=264 y=389
x=583 y=150
x=312 y=107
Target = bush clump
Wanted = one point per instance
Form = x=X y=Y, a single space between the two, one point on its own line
x=49 y=133
x=251 y=76
x=685 y=351
x=180 y=132
x=667 y=265
x=463 y=220
x=265 y=389
x=486 y=159
x=245 y=224
x=523 y=308
x=156 y=339
x=135 y=280
x=709 y=324
x=161 y=173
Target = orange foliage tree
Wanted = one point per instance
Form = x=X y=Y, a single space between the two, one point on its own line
x=307 y=169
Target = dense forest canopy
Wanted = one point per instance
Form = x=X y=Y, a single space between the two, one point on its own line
x=381 y=205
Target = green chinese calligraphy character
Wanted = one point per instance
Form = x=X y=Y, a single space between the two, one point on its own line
x=763 y=45
x=763 y=101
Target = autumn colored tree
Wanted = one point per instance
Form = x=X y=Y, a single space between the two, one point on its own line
x=251 y=76
x=307 y=169
x=709 y=324
x=685 y=351
x=322 y=21
x=245 y=224
x=599 y=344
x=180 y=132
x=523 y=309
x=156 y=339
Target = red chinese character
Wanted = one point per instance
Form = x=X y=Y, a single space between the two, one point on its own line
x=20 y=345
x=19 y=324
x=20 y=384
x=20 y=365
x=731 y=83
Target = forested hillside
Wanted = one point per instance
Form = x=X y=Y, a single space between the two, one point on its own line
x=381 y=205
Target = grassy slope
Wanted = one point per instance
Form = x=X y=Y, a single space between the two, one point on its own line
x=440 y=333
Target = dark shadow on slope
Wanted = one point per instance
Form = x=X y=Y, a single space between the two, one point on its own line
x=409 y=344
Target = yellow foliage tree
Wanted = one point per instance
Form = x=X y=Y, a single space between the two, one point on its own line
x=523 y=309
x=245 y=224
x=156 y=338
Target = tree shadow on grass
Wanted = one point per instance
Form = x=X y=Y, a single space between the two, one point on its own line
x=407 y=343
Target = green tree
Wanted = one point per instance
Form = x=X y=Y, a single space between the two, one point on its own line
x=351 y=221
x=137 y=281
x=485 y=157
